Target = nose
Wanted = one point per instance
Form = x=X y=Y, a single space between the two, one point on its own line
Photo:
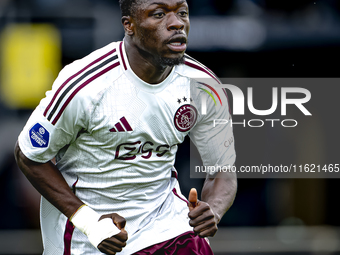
x=174 y=22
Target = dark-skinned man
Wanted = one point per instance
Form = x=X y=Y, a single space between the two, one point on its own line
x=113 y=121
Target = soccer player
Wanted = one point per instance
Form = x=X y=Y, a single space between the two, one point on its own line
x=113 y=121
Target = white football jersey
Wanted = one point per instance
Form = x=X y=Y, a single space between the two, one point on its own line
x=115 y=137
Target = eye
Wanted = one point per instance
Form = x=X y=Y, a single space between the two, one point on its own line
x=183 y=14
x=159 y=15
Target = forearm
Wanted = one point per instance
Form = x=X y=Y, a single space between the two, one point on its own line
x=100 y=230
x=49 y=182
x=220 y=192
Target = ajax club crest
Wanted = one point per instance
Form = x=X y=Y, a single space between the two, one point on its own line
x=185 y=117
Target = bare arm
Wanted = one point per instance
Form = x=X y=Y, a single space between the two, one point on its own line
x=218 y=195
x=49 y=182
x=220 y=192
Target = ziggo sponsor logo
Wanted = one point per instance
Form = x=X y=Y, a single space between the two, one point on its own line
x=129 y=151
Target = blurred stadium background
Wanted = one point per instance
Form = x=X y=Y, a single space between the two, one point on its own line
x=234 y=38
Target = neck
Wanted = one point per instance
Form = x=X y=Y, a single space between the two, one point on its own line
x=144 y=66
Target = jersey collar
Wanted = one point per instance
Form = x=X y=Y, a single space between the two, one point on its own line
x=151 y=88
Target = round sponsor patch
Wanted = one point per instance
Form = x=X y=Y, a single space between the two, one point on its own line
x=185 y=117
x=39 y=136
x=42 y=130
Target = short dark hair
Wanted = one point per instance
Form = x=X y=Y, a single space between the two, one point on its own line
x=128 y=7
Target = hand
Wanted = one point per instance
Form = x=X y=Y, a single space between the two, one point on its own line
x=117 y=242
x=202 y=218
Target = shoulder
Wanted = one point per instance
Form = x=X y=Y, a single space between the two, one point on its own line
x=79 y=82
x=203 y=81
x=97 y=61
x=195 y=70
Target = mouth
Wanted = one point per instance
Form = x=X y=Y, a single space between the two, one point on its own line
x=177 y=43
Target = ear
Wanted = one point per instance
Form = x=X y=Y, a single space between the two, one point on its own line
x=128 y=25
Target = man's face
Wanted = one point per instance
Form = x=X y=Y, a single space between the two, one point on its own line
x=161 y=29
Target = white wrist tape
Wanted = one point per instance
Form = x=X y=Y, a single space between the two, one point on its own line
x=86 y=220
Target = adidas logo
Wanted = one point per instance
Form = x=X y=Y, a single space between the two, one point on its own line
x=119 y=127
